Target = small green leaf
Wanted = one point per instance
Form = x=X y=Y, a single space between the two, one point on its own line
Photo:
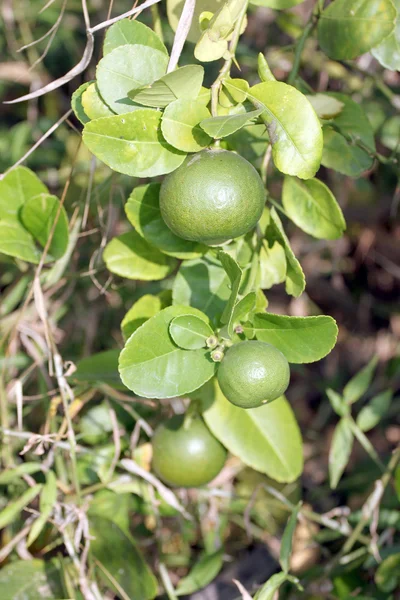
x=152 y=366
x=132 y=144
x=243 y=308
x=220 y=127
x=129 y=31
x=349 y=28
x=190 y=332
x=371 y=414
x=278 y=5
x=337 y=402
x=237 y=89
x=126 y=68
x=174 y=11
x=76 y=103
x=293 y=127
x=48 y=498
x=24 y=579
x=234 y=273
x=131 y=256
x=387 y=576
x=202 y=573
x=264 y=72
x=340 y=450
x=390 y=136
x=147 y=306
x=272 y=265
x=38 y=216
x=359 y=384
x=287 y=539
x=269 y=589
x=16 y=187
x=12 y=511
x=16 y=241
x=180 y=125
x=326 y=107
x=185 y=82
x=312 y=206
x=9 y=475
x=101 y=367
x=388 y=51
x=93 y=104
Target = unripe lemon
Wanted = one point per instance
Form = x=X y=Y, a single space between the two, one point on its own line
x=253 y=373
x=213 y=197
x=186 y=456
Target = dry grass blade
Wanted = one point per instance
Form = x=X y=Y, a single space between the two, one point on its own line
x=182 y=31
x=245 y=594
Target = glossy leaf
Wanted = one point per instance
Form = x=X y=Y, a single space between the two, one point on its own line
x=131 y=256
x=48 y=498
x=185 y=82
x=326 y=106
x=153 y=366
x=293 y=127
x=234 y=273
x=13 y=509
x=236 y=88
x=359 y=384
x=264 y=71
x=16 y=241
x=174 y=11
x=101 y=367
x=243 y=308
x=147 y=306
x=38 y=215
x=371 y=414
x=272 y=265
x=388 y=51
x=127 y=68
x=132 y=144
x=16 y=187
x=180 y=125
x=349 y=28
x=93 y=104
x=287 y=539
x=190 y=332
x=76 y=103
x=123 y=569
x=203 y=284
x=220 y=127
x=312 y=206
x=300 y=339
x=129 y=31
x=143 y=211
x=266 y=439
x=22 y=579
x=203 y=572
x=339 y=454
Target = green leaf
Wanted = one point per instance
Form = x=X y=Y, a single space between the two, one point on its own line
x=16 y=187
x=266 y=439
x=17 y=242
x=236 y=88
x=99 y=368
x=277 y=4
x=123 y=570
x=359 y=384
x=203 y=572
x=95 y=425
x=14 y=508
x=340 y=450
x=388 y=51
x=300 y=339
x=132 y=144
x=293 y=127
x=234 y=273
x=387 y=576
x=220 y=127
x=76 y=103
x=174 y=11
x=312 y=206
x=203 y=284
x=152 y=366
x=295 y=281
x=337 y=402
x=147 y=306
x=269 y=589
x=127 y=31
x=23 y=579
x=38 y=216
x=287 y=539
x=272 y=265
x=250 y=142
x=127 y=68
x=190 y=332
x=9 y=475
x=349 y=28
x=114 y=505
x=243 y=308
x=185 y=82
x=342 y=156
x=131 y=256
x=93 y=104
x=371 y=414
x=180 y=125
x=48 y=498
x=390 y=136
x=326 y=107
x=143 y=211
x=264 y=72
x=213 y=42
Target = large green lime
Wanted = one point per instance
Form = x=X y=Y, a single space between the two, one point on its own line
x=186 y=456
x=214 y=196
x=253 y=373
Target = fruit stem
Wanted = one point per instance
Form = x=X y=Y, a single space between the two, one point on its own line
x=216 y=86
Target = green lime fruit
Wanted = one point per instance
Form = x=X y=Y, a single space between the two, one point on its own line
x=213 y=197
x=253 y=373
x=186 y=454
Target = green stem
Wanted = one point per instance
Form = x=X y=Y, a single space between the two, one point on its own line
x=169 y=588
x=366 y=444
x=299 y=49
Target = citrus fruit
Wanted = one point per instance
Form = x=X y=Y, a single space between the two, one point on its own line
x=186 y=455
x=253 y=373
x=213 y=197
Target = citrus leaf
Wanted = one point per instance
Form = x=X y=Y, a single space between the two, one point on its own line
x=48 y=498
x=340 y=155
x=132 y=144
x=38 y=216
x=243 y=307
x=287 y=539
x=390 y=136
x=326 y=107
x=388 y=51
x=76 y=103
x=300 y=339
x=93 y=104
x=293 y=127
x=13 y=509
x=129 y=31
x=143 y=211
x=272 y=265
x=147 y=306
x=266 y=439
x=312 y=206
x=152 y=366
x=349 y=28
x=185 y=82
x=131 y=256
x=339 y=453
x=371 y=414
x=174 y=11
x=180 y=125
x=17 y=242
x=202 y=573
x=16 y=187
x=234 y=273
x=22 y=579
x=277 y=4
x=127 y=68
x=220 y=127
x=101 y=367
x=190 y=332
x=264 y=72
x=359 y=384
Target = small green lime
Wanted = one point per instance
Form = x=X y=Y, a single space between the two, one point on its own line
x=253 y=373
x=213 y=197
x=186 y=456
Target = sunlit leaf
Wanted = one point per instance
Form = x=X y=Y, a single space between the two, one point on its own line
x=190 y=332
x=180 y=125
x=16 y=187
x=39 y=215
x=388 y=51
x=128 y=31
x=185 y=82
x=93 y=104
x=339 y=454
